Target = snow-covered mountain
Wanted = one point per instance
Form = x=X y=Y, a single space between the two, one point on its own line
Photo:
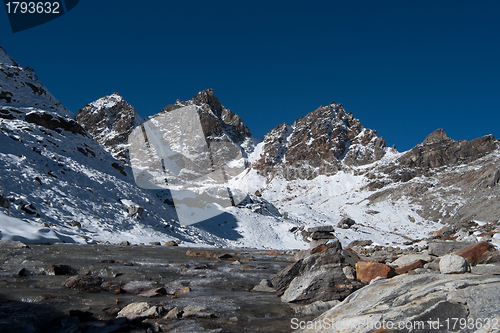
x=57 y=183
x=75 y=180
x=110 y=120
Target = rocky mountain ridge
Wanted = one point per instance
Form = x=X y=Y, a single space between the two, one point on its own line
x=324 y=167
x=319 y=143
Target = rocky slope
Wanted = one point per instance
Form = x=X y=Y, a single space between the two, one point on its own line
x=20 y=88
x=451 y=181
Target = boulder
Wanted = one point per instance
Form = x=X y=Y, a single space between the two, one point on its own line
x=345 y=223
x=182 y=291
x=486 y=269
x=173 y=314
x=171 y=243
x=317 y=277
x=369 y=270
x=139 y=311
x=60 y=270
x=76 y=224
x=132 y=208
x=153 y=292
x=137 y=286
x=196 y=311
x=264 y=286
x=411 y=258
x=87 y=283
x=403 y=269
x=475 y=253
x=324 y=228
x=440 y=248
x=322 y=235
x=414 y=300
x=349 y=272
x=453 y=264
x=360 y=243
x=318 y=242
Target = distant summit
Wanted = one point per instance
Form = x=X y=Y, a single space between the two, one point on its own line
x=110 y=120
x=319 y=143
x=218 y=123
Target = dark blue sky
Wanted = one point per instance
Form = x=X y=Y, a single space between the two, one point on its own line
x=404 y=68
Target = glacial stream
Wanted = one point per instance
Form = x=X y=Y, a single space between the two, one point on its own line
x=31 y=297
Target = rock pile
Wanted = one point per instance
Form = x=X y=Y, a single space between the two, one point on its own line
x=320 y=235
x=319 y=276
x=345 y=222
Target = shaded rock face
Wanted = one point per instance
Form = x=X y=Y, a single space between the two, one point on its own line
x=317 y=143
x=57 y=124
x=318 y=277
x=110 y=120
x=419 y=299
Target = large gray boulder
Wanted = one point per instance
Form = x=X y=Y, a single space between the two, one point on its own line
x=317 y=277
x=345 y=222
x=411 y=258
x=440 y=248
x=453 y=264
x=415 y=302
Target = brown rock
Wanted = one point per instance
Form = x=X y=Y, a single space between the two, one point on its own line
x=119 y=291
x=272 y=253
x=171 y=243
x=153 y=292
x=319 y=249
x=87 y=283
x=202 y=254
x=182 y=291
x=172 y=314
x=475 y=253
x=367 y=271
x=408 y=267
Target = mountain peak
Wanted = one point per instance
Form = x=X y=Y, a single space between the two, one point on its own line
x=110 y=120
x=319 y=143
x=437 y=136
x=217 y=121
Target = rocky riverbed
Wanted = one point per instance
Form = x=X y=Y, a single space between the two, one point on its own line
x=104 y=288
x=138 y=289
